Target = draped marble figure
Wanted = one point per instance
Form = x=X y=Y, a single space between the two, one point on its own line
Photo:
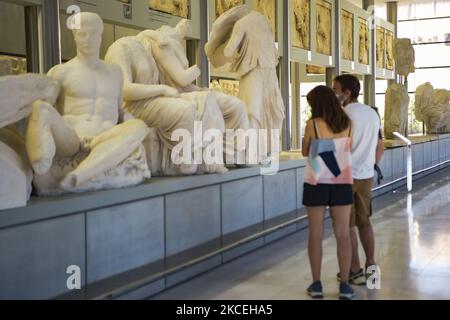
x=82 y=142
x=170 y=56
x=247 y=42
x=158 y=89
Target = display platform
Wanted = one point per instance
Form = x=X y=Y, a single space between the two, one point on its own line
x=135 y=242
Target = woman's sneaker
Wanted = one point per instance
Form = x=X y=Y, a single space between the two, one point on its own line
x=315 y=290
x=356 y=278
x=345 y=291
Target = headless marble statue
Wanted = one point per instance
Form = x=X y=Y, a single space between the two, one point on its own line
x=161 y=106
x=396 y=111
x=80 y=146
x=170 y=56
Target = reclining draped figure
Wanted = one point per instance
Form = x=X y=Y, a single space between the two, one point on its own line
x=82 y=143
x=159 y=90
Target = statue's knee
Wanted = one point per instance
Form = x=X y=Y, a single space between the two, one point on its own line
x=137 y=127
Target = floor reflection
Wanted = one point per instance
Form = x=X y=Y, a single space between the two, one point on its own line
x=412 y=248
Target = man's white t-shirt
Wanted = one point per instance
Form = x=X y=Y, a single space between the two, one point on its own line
x=366 y=127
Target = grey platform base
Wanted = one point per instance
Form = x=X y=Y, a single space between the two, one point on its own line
x=136 y=242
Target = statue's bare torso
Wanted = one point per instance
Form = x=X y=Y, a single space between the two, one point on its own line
x=90 y=97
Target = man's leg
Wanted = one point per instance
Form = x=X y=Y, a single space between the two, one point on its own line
x=366 y=234
x=367 y=237
x=108 y=150
x=356 y=264
x=48 y=134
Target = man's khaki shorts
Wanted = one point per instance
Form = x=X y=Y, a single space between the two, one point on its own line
x=362 y=205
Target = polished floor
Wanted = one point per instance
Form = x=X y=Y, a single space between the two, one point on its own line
x=412 y=248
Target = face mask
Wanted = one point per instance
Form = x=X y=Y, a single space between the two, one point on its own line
x=340 y=98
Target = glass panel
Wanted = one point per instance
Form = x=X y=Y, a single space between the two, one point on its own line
x=432 y=55
x=380 y=11
x=436 y=30
x=381 y=86
x=300 y=24
x=347 y=35
x=438 y=77
x=429 y=9
x=323 y=36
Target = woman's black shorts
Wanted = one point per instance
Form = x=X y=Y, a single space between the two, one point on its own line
x=323 y=195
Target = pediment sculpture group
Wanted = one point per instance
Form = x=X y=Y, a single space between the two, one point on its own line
x=93 y=124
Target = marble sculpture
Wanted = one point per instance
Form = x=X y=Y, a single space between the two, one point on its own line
x=364 y=42
x=396 y=111
x=404 y=56
x=432 y=106
x=82 y=141
x=323 y=35
x=300 y=23
x=347 y=35
x=179 y=8
x=17 y=93
x=158 y=89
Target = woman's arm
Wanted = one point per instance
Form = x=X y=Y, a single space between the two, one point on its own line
x=307 y=139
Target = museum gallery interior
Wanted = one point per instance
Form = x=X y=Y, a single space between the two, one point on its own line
x=152 y=149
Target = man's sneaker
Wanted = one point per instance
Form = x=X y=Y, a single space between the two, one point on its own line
x=315 y=290
x=356 y=278
x=345 y=291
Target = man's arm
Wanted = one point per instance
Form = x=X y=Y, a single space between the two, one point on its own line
x=380 y=149
x=380 y=145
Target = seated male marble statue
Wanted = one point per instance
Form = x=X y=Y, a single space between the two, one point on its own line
x=82 y=143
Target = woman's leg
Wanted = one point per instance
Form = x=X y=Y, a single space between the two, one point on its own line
x=315 y=218
x=341 y=222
